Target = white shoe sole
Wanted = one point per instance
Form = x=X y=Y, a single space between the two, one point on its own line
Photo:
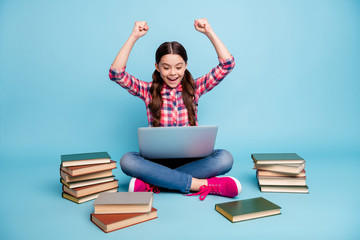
x=238 y=184
x=132 y=185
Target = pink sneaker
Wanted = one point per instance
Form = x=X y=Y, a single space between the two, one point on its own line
x=223 y=186
x=137 y=185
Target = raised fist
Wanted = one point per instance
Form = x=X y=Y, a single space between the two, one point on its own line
x=140 y=29
x=202 y=25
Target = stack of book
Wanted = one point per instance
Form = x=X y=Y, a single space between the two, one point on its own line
x=113 y=211
x=280 y=172
x=85 y=175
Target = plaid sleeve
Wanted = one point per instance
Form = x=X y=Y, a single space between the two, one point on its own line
x=215 y=76
x=133 y=85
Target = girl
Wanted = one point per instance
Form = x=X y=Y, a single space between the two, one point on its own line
x=171 y=100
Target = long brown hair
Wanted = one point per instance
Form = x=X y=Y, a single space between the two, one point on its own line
x=188 y=85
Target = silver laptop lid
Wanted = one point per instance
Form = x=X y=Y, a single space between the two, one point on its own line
x=177 y=142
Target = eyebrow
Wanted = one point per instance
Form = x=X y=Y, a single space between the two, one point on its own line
x=180 y=63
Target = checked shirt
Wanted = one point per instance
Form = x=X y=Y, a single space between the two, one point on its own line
x=173 y=110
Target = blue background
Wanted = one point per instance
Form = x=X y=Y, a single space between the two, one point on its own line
x=295 y=88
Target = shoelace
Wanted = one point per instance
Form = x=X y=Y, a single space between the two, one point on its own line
x=205 y=190
x=152 y=188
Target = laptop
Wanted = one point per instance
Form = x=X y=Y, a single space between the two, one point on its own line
x=177 y=142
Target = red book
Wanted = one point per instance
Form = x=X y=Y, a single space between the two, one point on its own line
x=112 y=222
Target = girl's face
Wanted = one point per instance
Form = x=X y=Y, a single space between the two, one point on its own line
x=172 y=69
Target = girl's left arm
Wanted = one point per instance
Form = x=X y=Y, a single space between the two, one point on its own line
x=203 y=26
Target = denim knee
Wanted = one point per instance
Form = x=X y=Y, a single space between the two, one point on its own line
x=226 y=160
x=128 y=162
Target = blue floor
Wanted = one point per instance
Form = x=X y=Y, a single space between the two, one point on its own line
x=32 y=207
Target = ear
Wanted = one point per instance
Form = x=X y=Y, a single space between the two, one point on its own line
x=157 y=67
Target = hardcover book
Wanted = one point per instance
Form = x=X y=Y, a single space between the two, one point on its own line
x=123 y=202
x=79 y=159
x=87 y=182
x=112 y=222
x=264 y=173
x=284 y=181
x=85 y=198
x=247 y=209
x=87 y=190
x=87 y=169
x=277 y=158
x=286 y=168
x=67 y=178
x=285 y=189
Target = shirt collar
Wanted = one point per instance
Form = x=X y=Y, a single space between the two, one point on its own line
x=166 y=88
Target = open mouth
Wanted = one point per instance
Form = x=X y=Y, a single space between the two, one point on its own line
x=173 y=79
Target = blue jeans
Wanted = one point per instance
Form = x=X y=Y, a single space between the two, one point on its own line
x=176 y=174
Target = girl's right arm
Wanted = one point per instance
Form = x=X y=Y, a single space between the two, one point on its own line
x=139 y=30
x=117 y=71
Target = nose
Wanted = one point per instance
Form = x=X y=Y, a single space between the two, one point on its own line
x=172 y=71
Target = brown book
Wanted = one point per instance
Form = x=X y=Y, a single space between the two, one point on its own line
x=67 y=178
x=85 y=198
x=84 y=191
x=112 y=222
x=87 y=182
x=86 y=169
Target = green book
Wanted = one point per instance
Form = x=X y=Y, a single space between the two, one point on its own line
x=277 y=158
x=80 y=159
x=247 y=209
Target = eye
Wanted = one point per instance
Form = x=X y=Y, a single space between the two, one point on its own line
x=179 y=68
